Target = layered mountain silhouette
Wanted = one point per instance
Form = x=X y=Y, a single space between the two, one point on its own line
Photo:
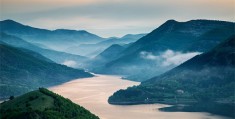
x=146 y=57
x=22 y=70
x=106 y=56
x=57 y=39
x=92 y=50
x=56 y=56
x=206 y=77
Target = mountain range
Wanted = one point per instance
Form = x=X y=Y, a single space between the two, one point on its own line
x=92 y=50
x=65 y=40
x=166 y=47
x=56 y=56
x=191 y=61
x=55 y=39
x=208 y=77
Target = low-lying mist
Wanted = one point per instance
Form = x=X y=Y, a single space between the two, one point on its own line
x=168 y=57
x=151 y=64
x=70 y=63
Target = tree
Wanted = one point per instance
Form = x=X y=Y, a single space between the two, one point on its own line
x=11 y=97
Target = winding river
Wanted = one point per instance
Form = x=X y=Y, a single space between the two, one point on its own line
x=92 y=93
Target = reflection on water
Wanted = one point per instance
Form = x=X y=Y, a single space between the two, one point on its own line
x=92 y=93
x=213 y=108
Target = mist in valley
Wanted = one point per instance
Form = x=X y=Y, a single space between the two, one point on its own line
x=101 y=59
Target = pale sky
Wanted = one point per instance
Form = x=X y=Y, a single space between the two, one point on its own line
x=108 y=18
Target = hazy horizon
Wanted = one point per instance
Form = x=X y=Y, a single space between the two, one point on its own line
x=112 y=18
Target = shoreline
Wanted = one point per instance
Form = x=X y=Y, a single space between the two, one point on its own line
x=168 y=102
x=93 y=93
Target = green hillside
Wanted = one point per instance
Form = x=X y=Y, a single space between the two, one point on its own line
x=22 y=71
x=43 y=104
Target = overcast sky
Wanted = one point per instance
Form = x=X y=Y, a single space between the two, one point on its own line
x=113 y=17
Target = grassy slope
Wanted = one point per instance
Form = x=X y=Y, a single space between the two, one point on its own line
x=41 y=104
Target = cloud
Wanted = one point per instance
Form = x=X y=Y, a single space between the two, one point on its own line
x=115 y=17
x=176 y=58
x=168 y=57
x=70 y=63
x=148 y=55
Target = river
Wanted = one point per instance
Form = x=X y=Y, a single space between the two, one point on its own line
x=92 y=93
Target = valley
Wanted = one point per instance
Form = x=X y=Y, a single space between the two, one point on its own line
x=179 y=70
x=92 y=93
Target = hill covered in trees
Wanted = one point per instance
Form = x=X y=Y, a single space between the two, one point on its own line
x=23 y=70
x=143 y=59
x=43 y=104
x=207 y=77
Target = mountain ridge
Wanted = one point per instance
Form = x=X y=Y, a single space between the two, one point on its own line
x=50 y=38
x=22 y=72
x=56 y=56
x=172 y=35
x=206 y=77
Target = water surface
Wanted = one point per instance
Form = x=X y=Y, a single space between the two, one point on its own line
x=92 y=93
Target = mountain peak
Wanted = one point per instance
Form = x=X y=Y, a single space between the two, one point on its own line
x=11 y=22
x=171 y=21
x=8 y=20
x=134 y=35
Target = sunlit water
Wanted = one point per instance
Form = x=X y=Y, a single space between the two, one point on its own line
x=92 y=93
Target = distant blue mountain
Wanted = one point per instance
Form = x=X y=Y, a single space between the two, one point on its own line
x=91 y=50
x=104 y=57
x=56 y=39
x=56 y=56
x=134 y=36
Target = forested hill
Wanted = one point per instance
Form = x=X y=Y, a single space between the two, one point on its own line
x=194 y=36
x=206 y=77
x=43 y=104
x=22 y=71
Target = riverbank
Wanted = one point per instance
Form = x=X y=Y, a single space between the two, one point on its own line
x=93 y=93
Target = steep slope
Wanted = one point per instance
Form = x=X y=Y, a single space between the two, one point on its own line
x=206 y=77
x=21 y=72
x=92 y=50
x=123 y=40
x=172 y=32
x=58 y=39
x=211 y=38
x=174 y=38
x=107 y=55
x=34 y=54
x=134 y=36
x=56 y=56
x=43 y=104
x=111 y=52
